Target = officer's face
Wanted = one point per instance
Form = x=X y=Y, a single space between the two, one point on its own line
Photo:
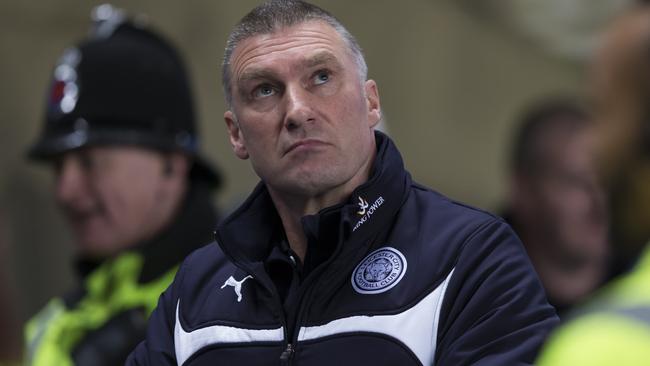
x=113 y=197
x=300 y=111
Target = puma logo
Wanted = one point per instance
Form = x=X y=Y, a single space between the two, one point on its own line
x=231 y=281
x=363 y=205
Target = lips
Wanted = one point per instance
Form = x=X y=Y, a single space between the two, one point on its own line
x=305 y=144
x=81 y=217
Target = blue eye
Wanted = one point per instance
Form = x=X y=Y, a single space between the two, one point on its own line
x=264 y=91
x=321 y=77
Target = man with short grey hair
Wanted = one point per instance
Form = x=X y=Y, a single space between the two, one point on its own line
x=337 y=256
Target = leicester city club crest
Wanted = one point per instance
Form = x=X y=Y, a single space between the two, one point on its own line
x=380 y=271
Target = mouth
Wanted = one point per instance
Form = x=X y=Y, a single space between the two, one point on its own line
x=79 y=217
x=306 y=144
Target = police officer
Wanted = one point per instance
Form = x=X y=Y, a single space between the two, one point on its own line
x=614 y=329
x=120 y=134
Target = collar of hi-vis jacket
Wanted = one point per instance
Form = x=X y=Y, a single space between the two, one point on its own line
x=247 y=235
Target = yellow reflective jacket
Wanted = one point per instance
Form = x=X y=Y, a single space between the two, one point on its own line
x=107 y=318
x=614 y=330
x=112 y=290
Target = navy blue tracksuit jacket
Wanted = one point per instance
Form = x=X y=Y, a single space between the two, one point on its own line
x=397 y=275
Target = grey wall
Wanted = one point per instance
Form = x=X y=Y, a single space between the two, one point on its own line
x=451 y=87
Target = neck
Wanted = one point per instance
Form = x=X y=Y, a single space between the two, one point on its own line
x=293 y=207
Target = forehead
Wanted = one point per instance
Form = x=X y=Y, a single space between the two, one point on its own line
x=124 y=153
x=289 y=44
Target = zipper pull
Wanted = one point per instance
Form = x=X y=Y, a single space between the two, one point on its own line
x=287 y=354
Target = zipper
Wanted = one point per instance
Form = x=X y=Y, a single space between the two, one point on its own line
x=304 y=303
x=291 y=335
x=287 y=355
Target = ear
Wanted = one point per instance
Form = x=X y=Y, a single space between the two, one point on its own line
x=236 y=138
x=520 y=196
x=373 y=103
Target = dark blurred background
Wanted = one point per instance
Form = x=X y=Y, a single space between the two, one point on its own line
x=453 y=78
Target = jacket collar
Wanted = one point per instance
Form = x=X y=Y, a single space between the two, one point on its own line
x=247 y=234
x=374 y=204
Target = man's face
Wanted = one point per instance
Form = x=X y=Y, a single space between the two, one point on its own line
x=112 y=197
x=570 y=200
x=300 y=111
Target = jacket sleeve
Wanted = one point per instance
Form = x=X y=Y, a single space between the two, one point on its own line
x=495 y=310
x=158 y=347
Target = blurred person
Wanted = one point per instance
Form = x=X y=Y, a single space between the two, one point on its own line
x=556 y=203
x=614 y=328
x=619 y=86
x=120 y=136
x=337 y=256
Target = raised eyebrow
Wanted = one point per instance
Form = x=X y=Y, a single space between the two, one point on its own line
x=255 y=74
x=320 y=59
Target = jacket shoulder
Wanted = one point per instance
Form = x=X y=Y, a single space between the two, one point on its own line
x=199 y=267
x=455 y=222
x=451 y=207
x=494 y=305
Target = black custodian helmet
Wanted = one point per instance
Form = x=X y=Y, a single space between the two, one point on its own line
x=123 y=85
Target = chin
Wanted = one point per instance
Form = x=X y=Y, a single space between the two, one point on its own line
x=311 y=183
x=94 y=248
x=92 y=253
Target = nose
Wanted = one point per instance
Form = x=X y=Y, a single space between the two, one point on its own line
x=70 y=180
x=598 y=207
x=299 y=108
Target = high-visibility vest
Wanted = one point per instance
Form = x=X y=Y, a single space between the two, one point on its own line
x=613 y=330
x=52 y=335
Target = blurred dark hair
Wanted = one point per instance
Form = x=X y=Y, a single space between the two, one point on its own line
x=527 y=153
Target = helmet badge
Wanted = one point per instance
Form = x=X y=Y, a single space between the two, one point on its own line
x=64 y=91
